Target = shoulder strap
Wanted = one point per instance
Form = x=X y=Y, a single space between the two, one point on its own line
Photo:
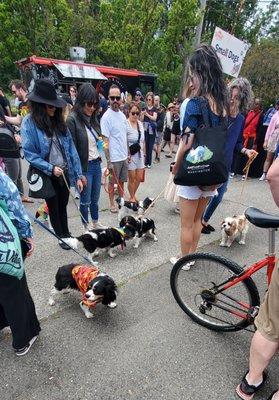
x=205 y=111
x=138 y=132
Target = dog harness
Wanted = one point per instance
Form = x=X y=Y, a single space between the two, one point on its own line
x=83 y=275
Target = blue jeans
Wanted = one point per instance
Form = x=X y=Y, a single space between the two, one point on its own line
x=215 y=201
x=149 y=144
x=90 y=195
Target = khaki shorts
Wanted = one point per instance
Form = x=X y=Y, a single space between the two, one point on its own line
x=121 y=170
x=267 y=321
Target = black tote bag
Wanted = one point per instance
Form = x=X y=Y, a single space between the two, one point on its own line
x=205 y=164
x=40 y=184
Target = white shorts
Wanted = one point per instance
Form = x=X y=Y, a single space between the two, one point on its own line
x=136 y=162
x=194 y=192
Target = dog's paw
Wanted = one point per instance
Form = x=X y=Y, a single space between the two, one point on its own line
x=51 y=302
x=89 y=315
x=96 y=253
x=135 y=246
x=222 y=244
x=112 y=255
x=155 y=239
x=241 y=242
x=112 y=304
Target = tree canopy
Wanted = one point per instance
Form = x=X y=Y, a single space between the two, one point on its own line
x=150 y=35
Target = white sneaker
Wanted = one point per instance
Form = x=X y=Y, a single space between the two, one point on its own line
x=98 y=225
x=187 y=266
x=231 y=175
x=177 y=210
x=263 y=177
x=173 y=260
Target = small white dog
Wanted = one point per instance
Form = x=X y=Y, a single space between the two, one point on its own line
x=232 y=228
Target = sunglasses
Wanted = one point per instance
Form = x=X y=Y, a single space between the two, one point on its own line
x=50 y=107
x=113 y=98
x=90 y=104
x=149 y=99
x=135 y=113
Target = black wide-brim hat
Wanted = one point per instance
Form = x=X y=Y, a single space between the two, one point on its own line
x=44 y=92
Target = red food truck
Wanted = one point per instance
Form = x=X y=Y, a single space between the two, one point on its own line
x=65 y=73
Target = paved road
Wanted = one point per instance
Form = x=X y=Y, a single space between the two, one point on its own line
x=146 y=348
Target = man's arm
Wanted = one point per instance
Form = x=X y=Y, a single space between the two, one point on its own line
x=14 y=120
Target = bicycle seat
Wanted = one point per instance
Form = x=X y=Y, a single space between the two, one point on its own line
x=261 y=219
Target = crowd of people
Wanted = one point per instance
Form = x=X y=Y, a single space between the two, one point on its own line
x=67 y=138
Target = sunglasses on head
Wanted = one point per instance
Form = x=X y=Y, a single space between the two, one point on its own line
x=113 y=98
x=90 y=104
x=135 y=112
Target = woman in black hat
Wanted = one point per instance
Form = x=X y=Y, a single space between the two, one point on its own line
x=49 y=147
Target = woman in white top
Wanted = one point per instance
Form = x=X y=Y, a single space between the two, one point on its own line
x=135 y=135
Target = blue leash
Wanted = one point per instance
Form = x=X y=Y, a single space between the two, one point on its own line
x=57 y=237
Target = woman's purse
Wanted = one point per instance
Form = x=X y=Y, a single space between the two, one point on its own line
x=40 y=184
x=135 y=147
x=205 y=164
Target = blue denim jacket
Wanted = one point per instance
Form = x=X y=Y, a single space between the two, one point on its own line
x=36 y=144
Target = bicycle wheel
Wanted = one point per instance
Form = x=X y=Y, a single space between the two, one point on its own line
x=202 y=294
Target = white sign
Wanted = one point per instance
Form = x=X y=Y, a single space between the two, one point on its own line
x=231 y=51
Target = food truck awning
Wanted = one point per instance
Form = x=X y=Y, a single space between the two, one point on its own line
x=79 y=71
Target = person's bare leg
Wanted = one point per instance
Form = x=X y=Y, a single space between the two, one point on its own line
x=187 y=213
x=171 y=144
x=261 y=353
x=197 y=223
x=268 y=162
x=132 y=184
x=111 y=193
x=120 y=188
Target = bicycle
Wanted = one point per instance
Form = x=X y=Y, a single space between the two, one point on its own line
x=218 y=293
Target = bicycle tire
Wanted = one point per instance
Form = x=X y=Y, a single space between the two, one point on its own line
x=231 y=267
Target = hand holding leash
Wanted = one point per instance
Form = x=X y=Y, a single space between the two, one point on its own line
x=57 y=171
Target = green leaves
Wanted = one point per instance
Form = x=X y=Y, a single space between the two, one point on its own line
x=150 y=35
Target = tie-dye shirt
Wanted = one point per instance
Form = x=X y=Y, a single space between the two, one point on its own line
x=14 y=207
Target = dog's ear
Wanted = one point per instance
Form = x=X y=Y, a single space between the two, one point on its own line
x=109 y=292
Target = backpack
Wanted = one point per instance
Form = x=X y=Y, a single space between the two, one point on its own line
x=11 y=262
x=9 y=147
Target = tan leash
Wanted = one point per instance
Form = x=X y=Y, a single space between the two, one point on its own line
x=246 y=172
x=151 y=205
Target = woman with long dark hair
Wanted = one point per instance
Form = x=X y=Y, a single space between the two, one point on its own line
x=49 y=147
x=85 y=129
x=207 y=81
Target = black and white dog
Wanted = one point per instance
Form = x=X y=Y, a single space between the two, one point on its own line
x=132 y=208
x=94 y=239
x=95 y=286
x=138 y=228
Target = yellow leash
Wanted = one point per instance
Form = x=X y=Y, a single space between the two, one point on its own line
x=246 y=172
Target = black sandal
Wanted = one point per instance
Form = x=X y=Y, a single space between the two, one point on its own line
x=210 y=227
x=246 y=391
